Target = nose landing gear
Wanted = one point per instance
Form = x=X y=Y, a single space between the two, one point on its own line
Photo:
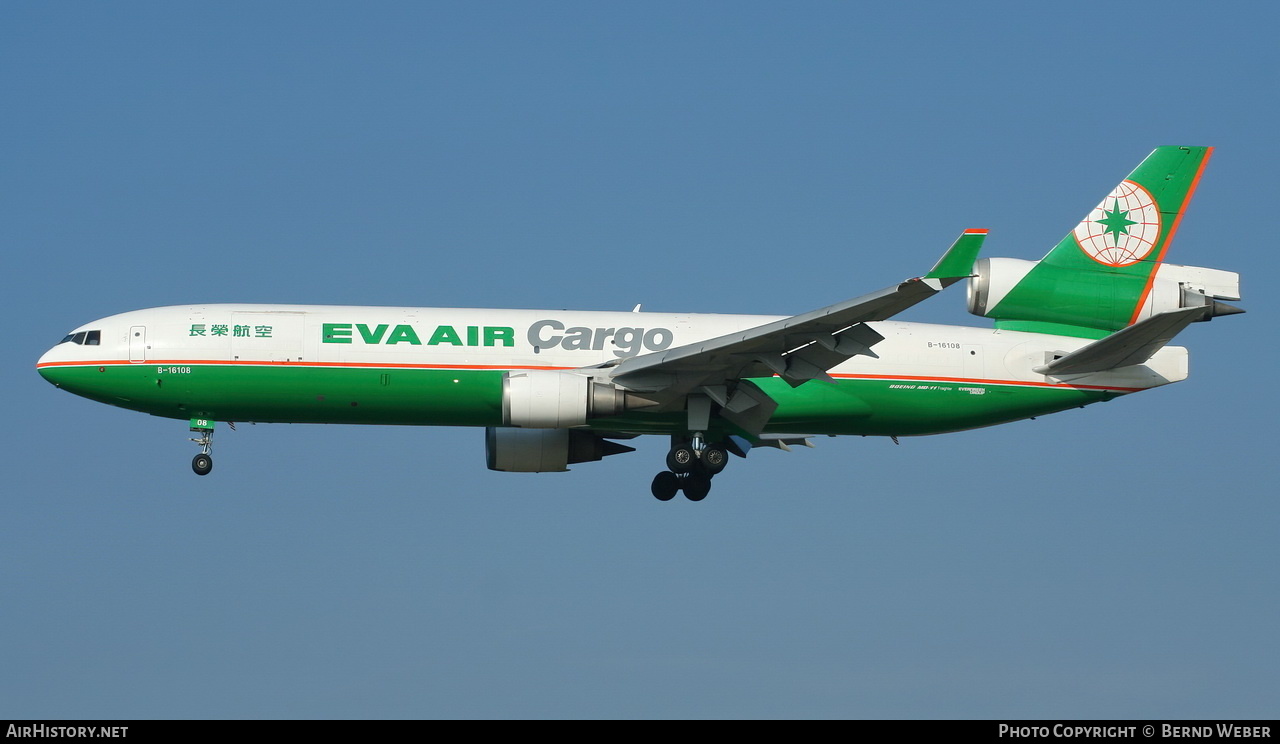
x=203 y=462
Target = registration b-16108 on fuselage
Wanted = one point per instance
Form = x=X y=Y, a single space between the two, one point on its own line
x=1089 y=322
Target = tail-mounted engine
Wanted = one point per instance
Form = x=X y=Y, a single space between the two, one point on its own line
x=1094 y=298
x=1192 y=286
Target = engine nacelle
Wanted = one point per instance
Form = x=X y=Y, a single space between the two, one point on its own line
x=544 y=450
x=555 y=399
x=1095 y=299
x=991 y=281
x=1192 y=286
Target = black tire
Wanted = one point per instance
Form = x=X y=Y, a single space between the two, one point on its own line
x=202 y=464
x=681 y=458
x=665 y=485
x=697 y=485
x=714 y=458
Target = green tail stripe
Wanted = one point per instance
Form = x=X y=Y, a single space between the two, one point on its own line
x=1099 y=274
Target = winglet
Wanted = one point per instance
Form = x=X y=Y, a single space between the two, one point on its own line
x=957 y=263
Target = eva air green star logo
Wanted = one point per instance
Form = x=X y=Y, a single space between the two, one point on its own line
x=1123 y=228
x=1116 y=221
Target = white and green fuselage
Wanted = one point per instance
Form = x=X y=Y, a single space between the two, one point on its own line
x=445 y=367
x=1090 y=321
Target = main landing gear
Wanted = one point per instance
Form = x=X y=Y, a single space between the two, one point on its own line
x=203 y=462
x=691 y=465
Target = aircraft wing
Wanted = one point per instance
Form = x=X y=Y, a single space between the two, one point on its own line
x=797 y=349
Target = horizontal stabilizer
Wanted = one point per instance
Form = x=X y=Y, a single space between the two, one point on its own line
x=1132 y=345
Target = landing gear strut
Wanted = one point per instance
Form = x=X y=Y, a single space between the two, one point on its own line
x=691 y=464
x=203 y=462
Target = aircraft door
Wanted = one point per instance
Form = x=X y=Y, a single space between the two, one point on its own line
x=138 y=344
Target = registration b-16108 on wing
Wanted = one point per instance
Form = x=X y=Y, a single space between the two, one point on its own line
x=1087 y=323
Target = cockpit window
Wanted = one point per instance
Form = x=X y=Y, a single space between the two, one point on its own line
x=85 y=338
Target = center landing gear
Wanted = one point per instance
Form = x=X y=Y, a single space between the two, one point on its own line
x=691 y=465
x=203 y=462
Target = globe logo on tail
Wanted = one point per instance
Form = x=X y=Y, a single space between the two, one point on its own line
x=1123 y=229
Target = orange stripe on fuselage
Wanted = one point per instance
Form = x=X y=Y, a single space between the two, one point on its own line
x=977 y=381
x=484 y=367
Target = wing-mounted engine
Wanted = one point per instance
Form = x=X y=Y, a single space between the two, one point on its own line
x=1094 y=298
x=558 y=399
x=545 y=450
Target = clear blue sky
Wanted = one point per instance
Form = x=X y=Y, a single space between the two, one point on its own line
x=1118 y=561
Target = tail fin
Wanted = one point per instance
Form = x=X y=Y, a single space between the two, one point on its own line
x=1100 y=277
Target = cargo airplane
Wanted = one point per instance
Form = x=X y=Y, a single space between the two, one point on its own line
x=1087 y=323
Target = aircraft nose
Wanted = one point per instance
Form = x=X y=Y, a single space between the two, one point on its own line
x=47 y=366
x=76 y=363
